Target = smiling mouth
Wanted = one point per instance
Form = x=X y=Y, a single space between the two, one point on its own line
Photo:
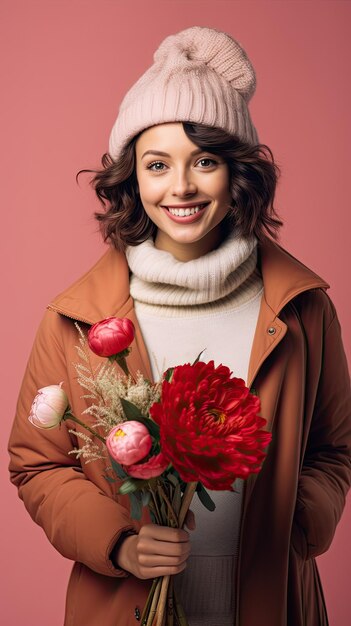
x=185 y=212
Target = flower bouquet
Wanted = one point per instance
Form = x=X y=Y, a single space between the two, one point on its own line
x=198 y=427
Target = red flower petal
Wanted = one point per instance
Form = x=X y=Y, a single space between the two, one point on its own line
x=210 y=429
x=111 y=336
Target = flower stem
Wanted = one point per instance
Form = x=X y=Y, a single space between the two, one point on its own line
x=69 y=416
x=186 y=501
x=122 y=362
x=171 y=517
x=147 y=606
x=170 y=604
x=163 y=600
x=152 y=613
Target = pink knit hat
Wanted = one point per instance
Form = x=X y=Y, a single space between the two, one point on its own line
x=199 y=75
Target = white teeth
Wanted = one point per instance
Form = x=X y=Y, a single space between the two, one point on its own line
x=185 y=212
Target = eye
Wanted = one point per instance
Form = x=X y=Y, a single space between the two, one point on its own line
x=208 y=160
x=157 y=169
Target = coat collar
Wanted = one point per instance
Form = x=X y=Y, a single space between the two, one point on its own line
x=104 y=292
x=284 y=277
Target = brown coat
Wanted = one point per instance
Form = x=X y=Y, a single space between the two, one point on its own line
x=290 y=510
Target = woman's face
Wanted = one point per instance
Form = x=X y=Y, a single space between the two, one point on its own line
x=184 y=190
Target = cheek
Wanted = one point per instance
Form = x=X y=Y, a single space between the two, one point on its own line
x=150 y=189
x=220 y=185
x=223 y=194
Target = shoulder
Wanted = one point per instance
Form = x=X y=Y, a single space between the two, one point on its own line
x=54 y=333
x=287 y=279
x=98 y=293
x=315 y=308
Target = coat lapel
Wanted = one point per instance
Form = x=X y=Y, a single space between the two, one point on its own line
x=284 y=277
x=104 y=292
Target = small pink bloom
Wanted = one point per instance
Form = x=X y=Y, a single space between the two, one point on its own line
x=48 y=407
x=153 y=467
x=129 y=442
x=111 y=336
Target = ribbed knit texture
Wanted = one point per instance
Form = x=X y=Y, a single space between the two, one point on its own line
x=182 y=308
x=199 y=75
x=206 y=587
x=222 y=279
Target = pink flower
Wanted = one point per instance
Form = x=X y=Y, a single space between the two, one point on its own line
x=111 y=336
x=155 y=466
x=129 y=442
x=48 y=407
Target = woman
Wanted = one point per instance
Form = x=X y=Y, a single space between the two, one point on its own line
x=188 y=193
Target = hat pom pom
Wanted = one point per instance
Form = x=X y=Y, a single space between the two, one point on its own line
x=200 y=46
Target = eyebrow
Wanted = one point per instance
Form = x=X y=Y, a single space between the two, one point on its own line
x=159 y=153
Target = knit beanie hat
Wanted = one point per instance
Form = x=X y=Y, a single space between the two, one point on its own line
x=199 y=75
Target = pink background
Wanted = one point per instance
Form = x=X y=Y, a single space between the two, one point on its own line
x=66 y=66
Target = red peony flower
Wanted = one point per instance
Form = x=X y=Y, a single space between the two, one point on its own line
x=210 y=429
x=111 y=336
x=155 y=466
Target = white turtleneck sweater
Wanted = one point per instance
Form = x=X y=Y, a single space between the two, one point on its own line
x=210 y=304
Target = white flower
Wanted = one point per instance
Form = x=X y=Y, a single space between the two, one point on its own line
x=48 y=407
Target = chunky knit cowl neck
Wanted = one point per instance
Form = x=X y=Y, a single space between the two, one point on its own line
x=225 y=277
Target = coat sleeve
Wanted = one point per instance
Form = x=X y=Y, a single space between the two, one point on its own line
x=81 y=520
x=326 y=469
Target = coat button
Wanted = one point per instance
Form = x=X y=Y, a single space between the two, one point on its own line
x=137 y=614
x=271 y=330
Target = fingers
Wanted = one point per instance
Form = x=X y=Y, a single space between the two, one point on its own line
x=161 y=558
x=155 y=551
x=146 y=573
x=163 y=533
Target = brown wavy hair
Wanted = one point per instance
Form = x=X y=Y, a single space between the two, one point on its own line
x=253 y=180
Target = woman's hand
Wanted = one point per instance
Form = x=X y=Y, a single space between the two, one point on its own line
x=155 y=551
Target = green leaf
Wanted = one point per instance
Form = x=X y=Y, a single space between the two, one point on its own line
x=205 y=498
x=133 y=413
x=198 y=357
x=130 y=410
x=152 y=427
x=182 y=483
x=128 y=486
x=173 y=479
x=177 y=500
x=163 y=511
x=120 y=355
x=136 y=506
x=145 y=497
x=168 y=374
x=118 y=469
x=253 y=391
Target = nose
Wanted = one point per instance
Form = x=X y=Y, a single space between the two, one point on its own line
x=183 y=184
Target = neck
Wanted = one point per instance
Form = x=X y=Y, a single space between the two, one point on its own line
x=194 y=249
